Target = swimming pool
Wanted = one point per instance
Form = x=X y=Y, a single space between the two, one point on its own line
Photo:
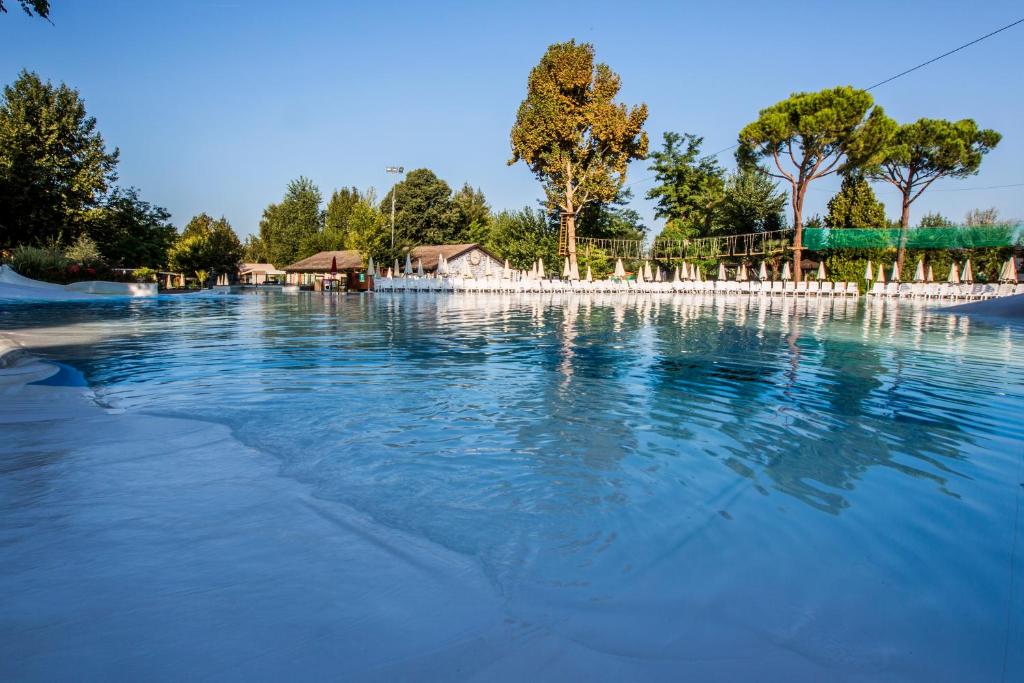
x=792 y=489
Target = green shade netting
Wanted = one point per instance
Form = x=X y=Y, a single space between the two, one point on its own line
x=818 y=239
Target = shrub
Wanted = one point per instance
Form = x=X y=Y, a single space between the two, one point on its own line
x=144 y=275
x=84 y=252
x=40 y=263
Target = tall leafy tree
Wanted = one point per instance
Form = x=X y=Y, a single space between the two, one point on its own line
x=336 y=217
x=924 y=151
x=934 y=219
x=572 y=133
x=752 y=203
x=855 y=205
x=253 y=250
x=54 y=165
x=811 y=135
x=690 y=187
x=289 y=230
x=206 y=244
x=423 y=209
x=470 y=214
x=609 y=220
x=130 y=232
x=524 y=236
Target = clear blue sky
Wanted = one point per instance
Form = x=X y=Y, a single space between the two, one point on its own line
x=216 y=105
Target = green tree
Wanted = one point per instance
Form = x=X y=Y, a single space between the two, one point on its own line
x=206 y=244
x=609 y=220
x=934 y=220
x=253 y=250
x=810 y=135
x=131 y=232
x=423 y=209
x=752 y=203
x=855 y=205
x=289 y=230
x=920 y=153
x=370 y=231
x=38 y=8
x=690 y=187
x=982 y=218
x=336 y=217
x=54 y=166
x=524 y=236
x=573 y=135
x=470 y=215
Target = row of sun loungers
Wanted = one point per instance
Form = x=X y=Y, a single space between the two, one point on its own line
x=943 y=290
x=458 y=284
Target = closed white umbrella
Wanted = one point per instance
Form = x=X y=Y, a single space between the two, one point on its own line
x=930 y=277
x=675 y=278
x=868 y=275
x=640 y=275
x=954 y=274
x=967 y=275
x=881 y=275
x=620 y=271
x=786 y=274
x=508 y=271
x=1009 y=271
x=919 y=271
x=697 y=276
x=540 y=268
x=391 y=273
x=565 y=269
x=397 y=269
x=762 y=274
x=467 y=272
x=721 y=271
x=657 y=275
x=408 y=264
x=590 y=274
x=895 y=277
x=741 y=273
x=488 y=269
x=419 y=267
x=370 y=267
x=821 y=270
x=647 y=272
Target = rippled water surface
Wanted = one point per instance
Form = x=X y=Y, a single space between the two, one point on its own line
x=664 y=480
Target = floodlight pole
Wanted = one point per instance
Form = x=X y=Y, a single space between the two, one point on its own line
x=398 y=170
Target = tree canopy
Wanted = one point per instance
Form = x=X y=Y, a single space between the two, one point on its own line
x=855 y=205
x=54 y=166
x=752 y=202
x=289 y=230
x=920 y=153
x=206 y=244
x=811 y=135
x=130 y=232
x=572 y=133
x=690 y=187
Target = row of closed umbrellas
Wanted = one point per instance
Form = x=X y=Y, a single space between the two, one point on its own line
x=690 y=271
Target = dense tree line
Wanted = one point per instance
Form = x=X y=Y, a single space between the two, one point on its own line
x=58 y=194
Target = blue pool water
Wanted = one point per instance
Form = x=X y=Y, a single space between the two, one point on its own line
x=797 y=489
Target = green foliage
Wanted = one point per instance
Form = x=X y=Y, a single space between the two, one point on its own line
x=572 y=134
x=920 y=153
x=601 y=264
x=131 y=232
x=144 y=275
x=253 y=250
x=201 y=277
x=855 y=205
x=980 y=217
x=752 y=203
x=522 y=237
x=206 y=244
x=609 y=220
x=426 y=211
x=84 y=252
x=815 y=221
x=53 y=163
x=38 y=8
x=369 y=231
x=289 y=231
x=39 y=263
x=690 y=187
x=336 y=217
x=934 y=220
x=810 y=135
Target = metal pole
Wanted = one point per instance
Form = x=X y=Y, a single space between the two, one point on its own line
x=393 y=190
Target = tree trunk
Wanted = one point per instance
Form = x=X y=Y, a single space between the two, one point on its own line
x=904 y=229
x=798 y=233
x=570 y=236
